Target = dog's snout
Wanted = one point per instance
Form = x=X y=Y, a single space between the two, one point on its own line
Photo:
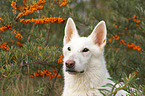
x=70 y=63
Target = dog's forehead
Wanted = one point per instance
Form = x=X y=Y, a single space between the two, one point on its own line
x=80 y=42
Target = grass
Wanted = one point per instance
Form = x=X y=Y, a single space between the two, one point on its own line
x=28 y=86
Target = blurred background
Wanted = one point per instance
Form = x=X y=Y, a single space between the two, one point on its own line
x=31 y=41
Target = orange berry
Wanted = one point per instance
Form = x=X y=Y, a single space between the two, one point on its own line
x=128 y=19
x=135 y=73
x=36 y=74
x=110 y=40
x=138 y=21
x=19 y=44
x=19 y=36
x=115 y=26
x=58 y=76
x=134 y=16
x=32 y=75
x=137 y=25
x=54 y=72
x=117 y=38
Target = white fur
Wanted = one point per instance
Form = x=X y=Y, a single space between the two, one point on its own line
x=92 y=62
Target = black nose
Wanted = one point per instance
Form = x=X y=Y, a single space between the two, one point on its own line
x=70 y=63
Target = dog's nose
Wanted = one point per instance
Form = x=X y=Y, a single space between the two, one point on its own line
x=70 y=63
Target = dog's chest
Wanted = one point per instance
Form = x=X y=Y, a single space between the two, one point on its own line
x=82 y=86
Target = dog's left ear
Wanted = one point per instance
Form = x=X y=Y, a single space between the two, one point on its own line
x=99 y=34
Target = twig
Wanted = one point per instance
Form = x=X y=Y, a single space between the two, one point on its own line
x=54 y=80
x=30 y=32
x=33 y=63
x=118 y=90
x=48 y=34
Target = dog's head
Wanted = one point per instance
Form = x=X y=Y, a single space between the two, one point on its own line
x=78 y=51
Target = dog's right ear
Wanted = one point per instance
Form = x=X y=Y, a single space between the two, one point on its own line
x=70 y=31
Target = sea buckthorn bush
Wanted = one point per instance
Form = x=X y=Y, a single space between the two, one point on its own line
x=28 y=48
x=128 y=25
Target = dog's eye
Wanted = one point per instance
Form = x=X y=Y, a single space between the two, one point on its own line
x=85 y=50
x=69 y=49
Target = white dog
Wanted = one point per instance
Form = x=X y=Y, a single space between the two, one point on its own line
x=84 y=65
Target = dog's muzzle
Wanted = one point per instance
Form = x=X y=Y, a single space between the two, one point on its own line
x=70 y=67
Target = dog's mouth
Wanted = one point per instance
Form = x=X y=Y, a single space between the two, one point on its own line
x=73 y=71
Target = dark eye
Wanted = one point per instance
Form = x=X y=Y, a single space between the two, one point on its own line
x=85 y=50
x=69 y=49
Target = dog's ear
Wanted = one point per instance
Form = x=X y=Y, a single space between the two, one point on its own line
x=99 y=34
x=70 y=31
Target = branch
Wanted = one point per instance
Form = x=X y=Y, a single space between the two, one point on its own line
x=54 y=80
x=30 y=32
x=118 y=90
x=33 y=63
x=56 y=77
x=48 y=34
